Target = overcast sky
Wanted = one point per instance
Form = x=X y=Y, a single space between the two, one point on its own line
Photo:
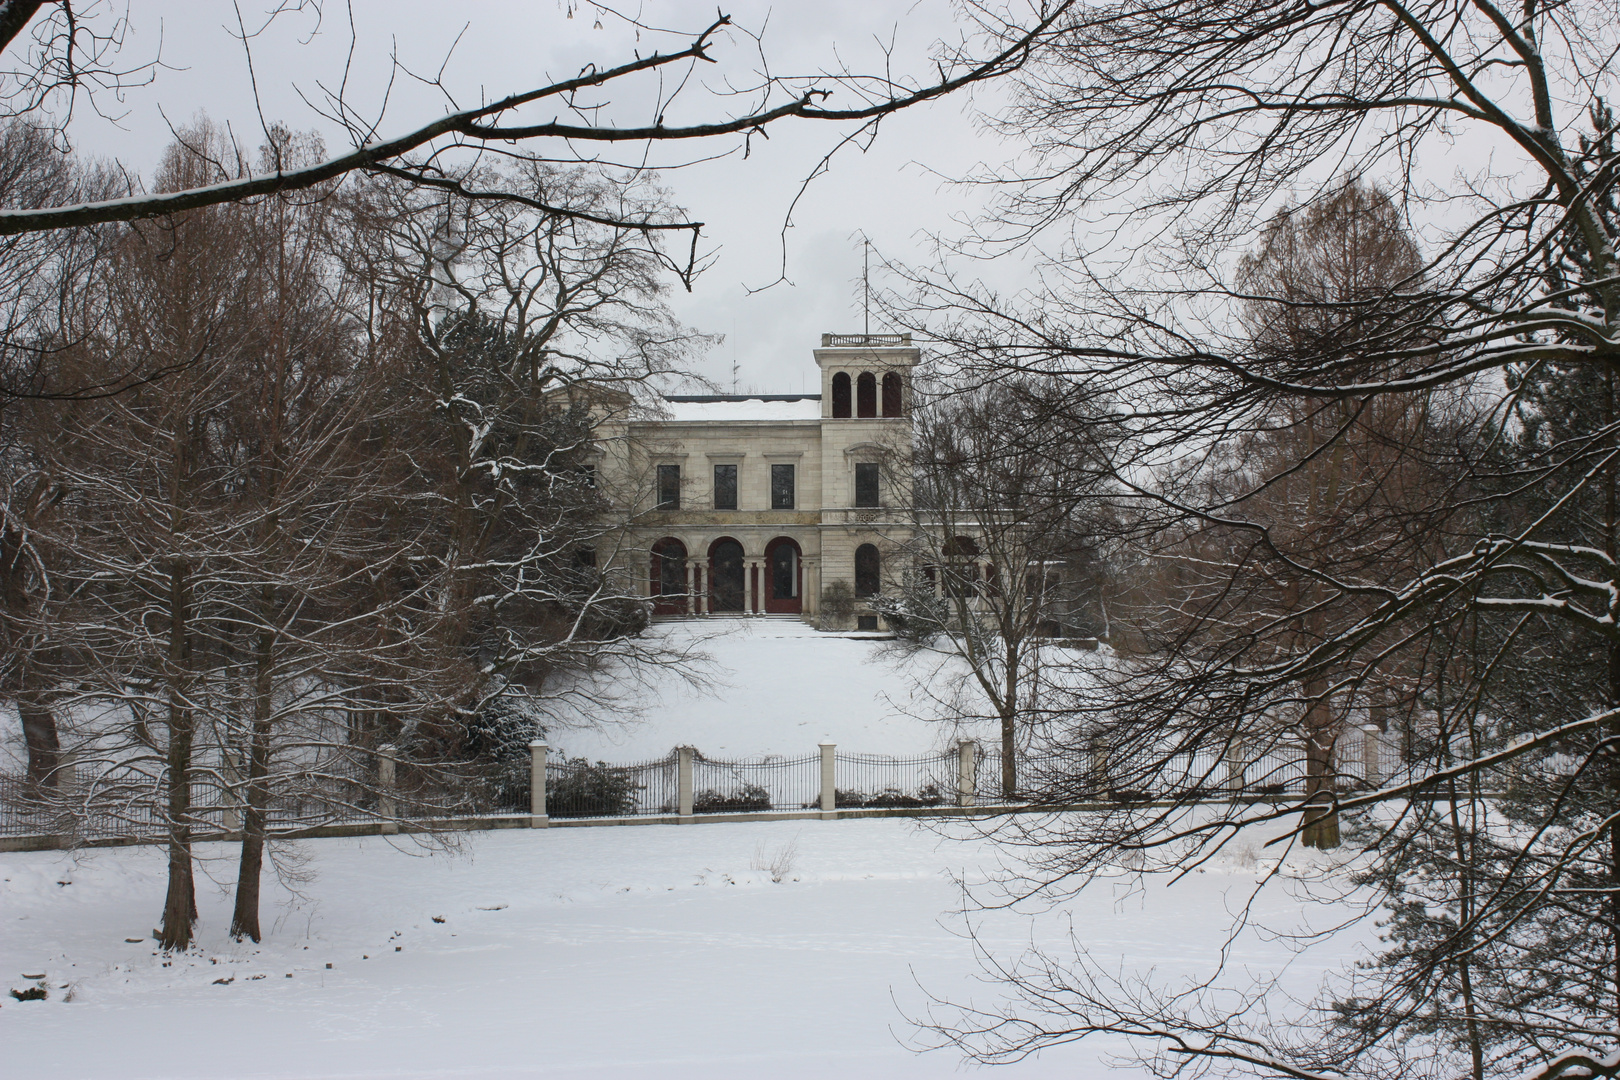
x=895 y=193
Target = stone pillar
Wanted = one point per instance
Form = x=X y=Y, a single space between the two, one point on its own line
x=810 y=602
x=755 y=603
x=538 y=818
x=1236 y=764
x=683 y=781
x=387 y=808
x=1369 y=755
x=231 y=775
x=702 y=597
x=1098 y=753
x=967 y=764
x=829 y=790
x=691 y=587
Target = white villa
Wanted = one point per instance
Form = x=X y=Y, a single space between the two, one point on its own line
x=748 y=503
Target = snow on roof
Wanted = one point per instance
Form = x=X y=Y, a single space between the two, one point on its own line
x=699 y=407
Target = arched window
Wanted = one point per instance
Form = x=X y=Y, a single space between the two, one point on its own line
x=891 y=394
x=961 y=572
x=668 y=585
x=841 y=396
x=866 y=395
x=868 y=570
x=726 y=575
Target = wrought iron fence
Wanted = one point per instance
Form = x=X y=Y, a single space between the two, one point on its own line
x=872 y=781
x=578 y=787
x=351 y=789
x=771 y=783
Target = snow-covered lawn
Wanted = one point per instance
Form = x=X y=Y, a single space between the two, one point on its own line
x=647 y=951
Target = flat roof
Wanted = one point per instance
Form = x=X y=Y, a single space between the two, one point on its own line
x=741 y=397
x=690 y=408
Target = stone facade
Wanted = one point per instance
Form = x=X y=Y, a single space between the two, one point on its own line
x=755 y=504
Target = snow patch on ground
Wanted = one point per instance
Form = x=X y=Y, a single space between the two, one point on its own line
x=780 y=687
x=667 y=951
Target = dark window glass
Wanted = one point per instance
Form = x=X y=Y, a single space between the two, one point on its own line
x=866 y=622
x=585 y=557
x=669 y=567
x=841 y=396
x=781 y=487
x=725 y=487
x=868 y=570
x=669 y=487
x=866 y=394
x=587 y=474
x=891 y=394
x=784 y=571
x=961 y=579
x=866 y=484
x=726 y=576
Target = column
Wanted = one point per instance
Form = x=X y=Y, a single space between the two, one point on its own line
x=967 y=764
x=755 y=603
x=1369 y=755
x=231 y=790
x=387 y=808
x=1236 y=764
x=691 y=588
x=683 y=781
x=829 y=791
x=537 y=785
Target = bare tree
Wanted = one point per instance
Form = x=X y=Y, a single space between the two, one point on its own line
x=68 y=52
x=1005 y=543
x=1377 y=556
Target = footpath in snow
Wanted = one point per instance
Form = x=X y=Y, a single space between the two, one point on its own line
x=649 y=951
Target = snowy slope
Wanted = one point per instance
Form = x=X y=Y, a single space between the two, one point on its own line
x=653 y=951
x=779 y=687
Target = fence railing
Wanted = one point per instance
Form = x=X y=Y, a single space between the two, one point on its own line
x=686 y=784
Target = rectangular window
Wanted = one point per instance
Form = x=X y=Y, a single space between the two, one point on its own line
x=781 y=487
x=725 y=487
x=669 y=487
x=866 y=484
x=587 y=475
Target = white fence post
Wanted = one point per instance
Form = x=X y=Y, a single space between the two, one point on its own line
x=230 y=795
x=1369 y=755
x=829 y=790
x=387 y=808
x=537 y=785
x=1098 y=754
x=683 y=781
x=967 y=765
x=1237 y=764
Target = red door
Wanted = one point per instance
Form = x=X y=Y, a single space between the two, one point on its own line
x=784 y=577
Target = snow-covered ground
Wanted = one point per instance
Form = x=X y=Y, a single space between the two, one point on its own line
x=611 y=952
x=780 y=687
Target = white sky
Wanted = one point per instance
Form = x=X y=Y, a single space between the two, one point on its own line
x=894 y=193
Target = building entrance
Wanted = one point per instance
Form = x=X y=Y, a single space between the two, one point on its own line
x=784 y=577
x=726 y=575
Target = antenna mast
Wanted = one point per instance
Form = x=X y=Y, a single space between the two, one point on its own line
x=866 y=287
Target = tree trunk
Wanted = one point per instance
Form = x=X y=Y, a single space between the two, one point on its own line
x=1009 y=757
x=1321 y=818
x=39 y=733
x=180 y=905
x=245 y=917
